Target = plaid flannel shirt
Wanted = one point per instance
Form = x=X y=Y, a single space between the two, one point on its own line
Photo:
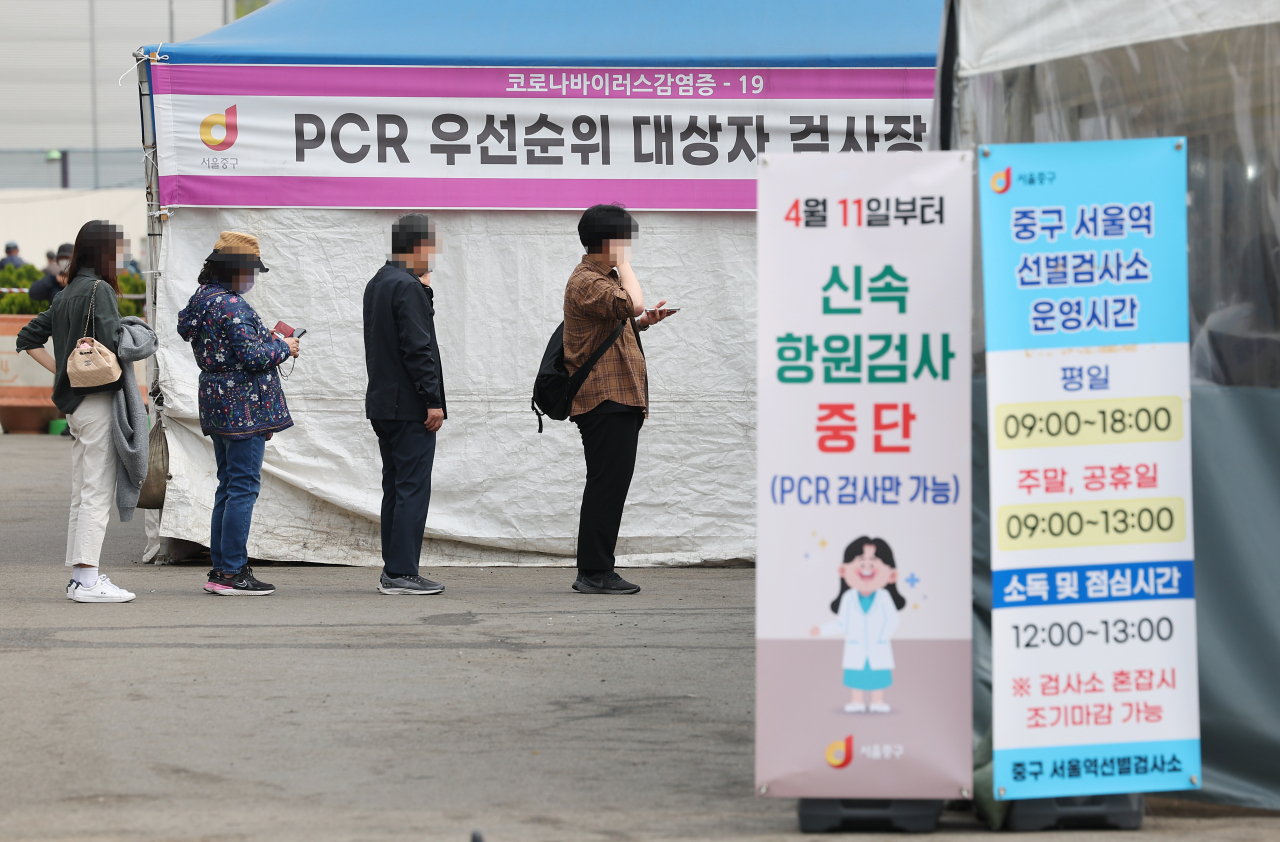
x=594 y=303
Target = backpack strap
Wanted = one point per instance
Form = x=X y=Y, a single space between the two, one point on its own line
x=636 y=332
x=580 y=376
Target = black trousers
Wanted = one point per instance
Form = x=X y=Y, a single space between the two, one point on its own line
x=408 y=452
x=609 y=441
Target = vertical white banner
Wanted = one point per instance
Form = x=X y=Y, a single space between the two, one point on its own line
x=863 y=681
x=1093 y=622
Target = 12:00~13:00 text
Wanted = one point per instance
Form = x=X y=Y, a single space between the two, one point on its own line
x=1031 y=636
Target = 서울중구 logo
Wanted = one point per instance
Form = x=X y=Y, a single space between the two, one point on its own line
x=840 y=753
x=1001 y=181
x=227 y=121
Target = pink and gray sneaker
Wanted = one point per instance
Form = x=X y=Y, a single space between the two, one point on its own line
x=240 y=583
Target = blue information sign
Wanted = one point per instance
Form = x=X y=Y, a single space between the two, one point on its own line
x=1084 y=243
x=1084 y=251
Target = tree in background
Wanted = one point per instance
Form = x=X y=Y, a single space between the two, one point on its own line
x=244 y=7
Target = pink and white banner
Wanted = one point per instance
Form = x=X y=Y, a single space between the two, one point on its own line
x=863 y=479
x=484 y=137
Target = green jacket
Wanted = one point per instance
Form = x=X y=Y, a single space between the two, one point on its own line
x=65 y=322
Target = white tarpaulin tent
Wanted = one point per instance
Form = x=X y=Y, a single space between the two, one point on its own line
x=502 y=493
x=996 y=35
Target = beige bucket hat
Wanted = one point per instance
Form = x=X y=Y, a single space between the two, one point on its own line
x=238 y=249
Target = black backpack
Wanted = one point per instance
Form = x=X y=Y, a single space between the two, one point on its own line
x=553 y=388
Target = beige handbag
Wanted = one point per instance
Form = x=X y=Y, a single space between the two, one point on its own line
x=151 y=495
x=92 y=366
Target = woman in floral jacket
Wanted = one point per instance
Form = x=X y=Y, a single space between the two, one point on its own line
x=241 y=401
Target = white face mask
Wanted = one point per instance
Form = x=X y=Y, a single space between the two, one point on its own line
x=63 y=263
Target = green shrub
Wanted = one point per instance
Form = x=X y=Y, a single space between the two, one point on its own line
x=132 y=284
x=19 y=303
x=19 y=276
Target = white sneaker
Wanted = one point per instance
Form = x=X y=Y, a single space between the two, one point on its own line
x=880 y=707
x=857 y=707
x=101 y=591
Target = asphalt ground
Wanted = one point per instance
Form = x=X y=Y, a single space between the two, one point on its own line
x=508 y=704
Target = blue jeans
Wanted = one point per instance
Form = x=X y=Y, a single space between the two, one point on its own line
x=239 y=479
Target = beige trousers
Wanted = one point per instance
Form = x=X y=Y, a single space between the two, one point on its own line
x=93 y=479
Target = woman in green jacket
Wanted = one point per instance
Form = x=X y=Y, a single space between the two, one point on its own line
x=95 y=265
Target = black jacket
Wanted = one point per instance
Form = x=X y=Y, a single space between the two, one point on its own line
x=400 y=350
x=45 y=289
x=65 y=322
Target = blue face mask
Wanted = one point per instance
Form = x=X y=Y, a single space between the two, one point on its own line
x=241 y=284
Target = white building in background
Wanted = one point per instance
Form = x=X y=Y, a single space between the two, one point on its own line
x=62 y=62
x=71 y=120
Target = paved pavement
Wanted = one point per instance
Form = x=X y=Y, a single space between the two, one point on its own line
x=326 y=711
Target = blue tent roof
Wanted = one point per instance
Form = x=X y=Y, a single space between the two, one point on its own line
x=691 y=33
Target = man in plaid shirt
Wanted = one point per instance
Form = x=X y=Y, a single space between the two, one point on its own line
x=613 y=402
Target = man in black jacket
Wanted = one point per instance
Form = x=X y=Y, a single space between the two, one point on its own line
x=53 y=282
x=405 y=401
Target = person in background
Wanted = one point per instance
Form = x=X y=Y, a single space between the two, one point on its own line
x=613 y=402
x=51 y=263
x=11 y=256
x=48 y=287
x=241 y=401
x=405 y=400
x=94 y=266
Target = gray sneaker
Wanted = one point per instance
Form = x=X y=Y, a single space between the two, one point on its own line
x=408 y=584
x=604 y=583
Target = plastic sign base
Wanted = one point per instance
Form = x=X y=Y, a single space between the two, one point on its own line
x=824 y=815
x=1117 y=812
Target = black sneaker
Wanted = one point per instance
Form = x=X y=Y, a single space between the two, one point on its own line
x=240 y=583
x=408 y=584
x=606 y=583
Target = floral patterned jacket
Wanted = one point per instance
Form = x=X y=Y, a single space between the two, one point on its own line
x=240 y=393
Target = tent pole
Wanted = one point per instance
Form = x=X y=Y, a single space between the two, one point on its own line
x=151 y=174
x=156 y=550
x=944 y=96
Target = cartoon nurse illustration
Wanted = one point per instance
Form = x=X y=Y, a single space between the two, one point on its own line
x=866 y=616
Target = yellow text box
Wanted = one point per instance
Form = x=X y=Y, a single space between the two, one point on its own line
x=1064 y=423
x=1092 y=524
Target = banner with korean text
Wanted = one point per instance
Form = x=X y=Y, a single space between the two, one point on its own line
x=1084 y=250
x=863 y=623
x=495 y=137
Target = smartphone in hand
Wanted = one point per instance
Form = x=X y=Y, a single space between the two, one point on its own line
x=653 y=311
x=288 y=332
